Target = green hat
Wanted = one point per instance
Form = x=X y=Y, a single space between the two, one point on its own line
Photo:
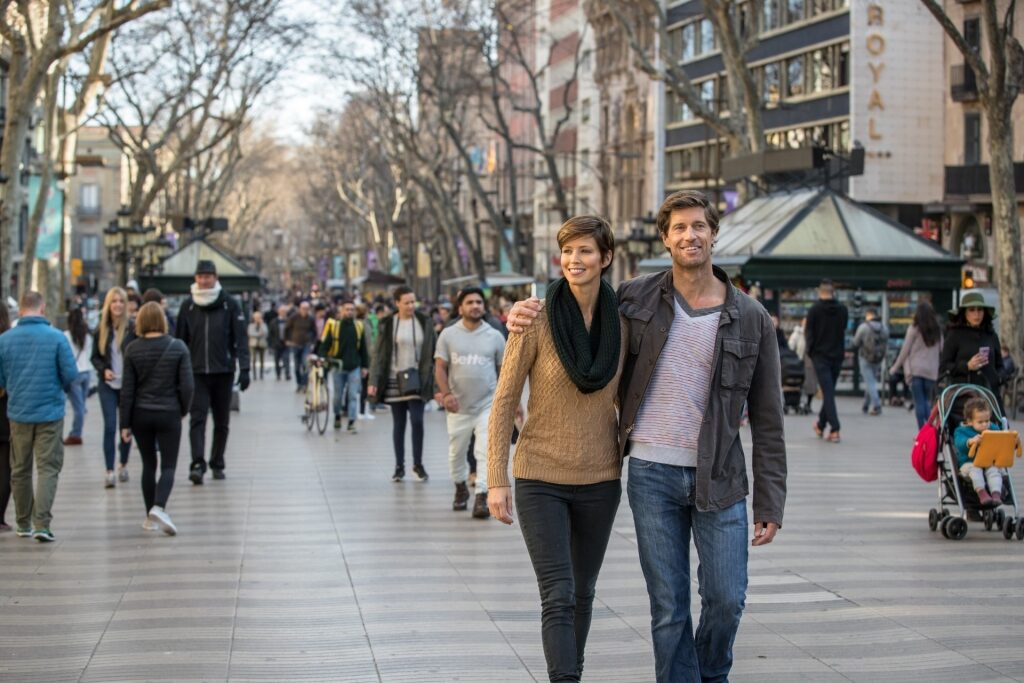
x=970 y=299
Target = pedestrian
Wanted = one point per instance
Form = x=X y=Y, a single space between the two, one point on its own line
x=212 y=325
x=871 y=341
x=698 y=350
x=259 y=334
x=300 y=335
x=157 y=394
x=154 y=294
x=116 y=330
x=467 y=362
x=277 y=341
x=5 y=438
x=344 y=345
x=362 y=315
x=567 y=466
x=919 y=359
x=81 y=345
x=402 y=376
x=36 y=370
x=971 y=352
x=798 y=344
x=826 y=345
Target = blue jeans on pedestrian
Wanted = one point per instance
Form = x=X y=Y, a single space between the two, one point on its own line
x=662 y=499
x=922 y=389
x=77 y=394
x=870 y=372
x=299 y=356
x=347 y=381
x=108 y=404
x=827 y=370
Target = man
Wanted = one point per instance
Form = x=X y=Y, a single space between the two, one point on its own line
x=277 y=340
x=212 y=325
x=699 y=349
x=300 y=335
x=826 y=346
x=871 y=342
x=154 y=294
x=467 y=361
x=37 y=367
x=344 y=343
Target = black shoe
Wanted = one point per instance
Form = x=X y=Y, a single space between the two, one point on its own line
x=337 y=421
x=219 y=475
x=420 y=473
x=399 y=474
x=195 y=475
x=352 y=429
x=480 y=509
x=461 y=501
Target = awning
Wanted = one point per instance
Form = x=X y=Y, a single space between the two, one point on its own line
x=495 y=279
x=179 y=269
x=378 y=278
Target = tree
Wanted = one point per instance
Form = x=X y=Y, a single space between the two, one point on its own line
x=999 y=82
x=41 y=34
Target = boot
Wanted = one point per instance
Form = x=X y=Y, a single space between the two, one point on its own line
x=461 y=496
x=480 y=510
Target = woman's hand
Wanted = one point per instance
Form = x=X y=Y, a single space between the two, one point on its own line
x=126 y=435
x=499 y=502
x=108 y=375
x=977 y=362
x=371 y=391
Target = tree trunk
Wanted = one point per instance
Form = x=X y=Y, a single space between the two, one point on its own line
x=1005 y=226
x=35 y=221
x=15 y=129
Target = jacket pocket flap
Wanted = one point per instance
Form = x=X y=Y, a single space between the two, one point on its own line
x=739 y=347
x=635 y=311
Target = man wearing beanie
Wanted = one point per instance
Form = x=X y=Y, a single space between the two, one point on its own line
x=212 y=325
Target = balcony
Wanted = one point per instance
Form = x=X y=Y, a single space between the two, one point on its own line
x=962 y=85
x=973 y=180
x=89 y=212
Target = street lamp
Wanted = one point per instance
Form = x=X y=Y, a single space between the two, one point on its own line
x=643 y=235
x=125 y=242
x=155 y=252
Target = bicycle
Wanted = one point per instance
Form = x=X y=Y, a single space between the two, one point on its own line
x=317 y=405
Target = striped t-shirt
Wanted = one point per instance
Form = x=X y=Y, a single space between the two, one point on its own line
x=668 y=424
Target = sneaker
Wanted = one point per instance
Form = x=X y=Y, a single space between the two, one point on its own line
x=337 y=421
x=472 y=479
x=219 y=475
x=163 y=520
x=480 y=509
x=819 y=430
x=73 y=441
x=122 y=473
x=23 y=533
x=111 y=481
x=420 y=473
x=984 y=499
x=352 y=427
x=43 y=536
x=368 y=416
x=875 y=412
x=4 y=527
x=833 y=437
x=195 y=475
x=461 y=501
x=399 y=474
x=997 y=498
x=150 y=525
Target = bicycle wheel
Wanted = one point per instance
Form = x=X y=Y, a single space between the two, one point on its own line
x=310 y=403
x=323 y=405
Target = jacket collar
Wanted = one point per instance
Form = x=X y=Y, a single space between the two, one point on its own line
x=731 y=309
x=33 y=320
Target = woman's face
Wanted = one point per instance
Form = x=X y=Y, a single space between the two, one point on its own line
x=117 y=307
x=407 y=306
x=975 y=314
x=582 y=261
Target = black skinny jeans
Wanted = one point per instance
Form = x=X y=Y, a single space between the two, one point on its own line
x=399 y=411
x=5 y=476
x=566 y=529
x=281 y=362
x=151 y=429
x=212 y=393
x=828 y=374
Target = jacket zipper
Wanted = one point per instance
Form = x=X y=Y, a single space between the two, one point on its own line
x=206 y=323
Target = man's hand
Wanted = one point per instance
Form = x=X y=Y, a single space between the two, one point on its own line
x=522 y=314
x=243 y=380
x=451 y=404
x=764 y=533
x=126 y=435
x=371 y=391
x=108 y=375
x=499 y=502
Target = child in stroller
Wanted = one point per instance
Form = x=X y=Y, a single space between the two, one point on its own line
x=977 y=419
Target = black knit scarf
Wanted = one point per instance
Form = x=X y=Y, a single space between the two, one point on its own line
x=591 y=359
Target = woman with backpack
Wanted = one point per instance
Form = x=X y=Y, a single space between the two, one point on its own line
x=113 y=335
x=919 y=359
x=81 y=345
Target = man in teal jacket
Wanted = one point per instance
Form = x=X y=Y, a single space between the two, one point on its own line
x=36 y=368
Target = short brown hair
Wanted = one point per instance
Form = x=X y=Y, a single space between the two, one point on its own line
x=687 y=199
x=975 y=406
x=150 y=319
x=31 y=300
x=588 y=226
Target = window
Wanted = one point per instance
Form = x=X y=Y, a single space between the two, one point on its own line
x=972 y=32
x=795 y=76
x=707 y=93
x=89 y=199
x=90 y=248
x=585 y=110
x=678 y=110
x=689 y=38
x=843 y=66
x=675 y=44
x=770 y=80
x=707 y=37
x=772 y=15
x=794 y=10
x=972 y=139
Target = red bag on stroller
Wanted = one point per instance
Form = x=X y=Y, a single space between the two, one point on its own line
x=924 y=455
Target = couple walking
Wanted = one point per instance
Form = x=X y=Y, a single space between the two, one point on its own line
x=660 y=372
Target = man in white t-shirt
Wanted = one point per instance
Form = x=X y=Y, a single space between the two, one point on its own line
x=466 y=365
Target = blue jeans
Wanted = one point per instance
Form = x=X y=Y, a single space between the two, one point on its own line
x=350 y=381
x=869 y=372
x=76 y=394
x=827 y=370
x=662 y=500
x=922 y=390
x=299 y=357
x=108 y=404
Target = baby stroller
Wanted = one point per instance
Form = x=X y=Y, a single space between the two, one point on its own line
x=956 y=491
x=792 y=380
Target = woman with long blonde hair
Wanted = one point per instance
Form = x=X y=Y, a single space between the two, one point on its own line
x=114 y=333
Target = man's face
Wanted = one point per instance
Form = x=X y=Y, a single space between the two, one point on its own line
x=347 y=311
x=282 y=312
x=472 y=308
x=304 y=309
x=689 y=238
x=443 y=314
x=407 y=305
x=206 y=280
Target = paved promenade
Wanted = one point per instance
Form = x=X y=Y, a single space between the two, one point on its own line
x=307 y=563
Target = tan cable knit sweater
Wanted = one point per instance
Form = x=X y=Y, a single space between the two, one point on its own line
x=569 y=437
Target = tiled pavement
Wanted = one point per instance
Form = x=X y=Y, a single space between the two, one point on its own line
x=307 y=563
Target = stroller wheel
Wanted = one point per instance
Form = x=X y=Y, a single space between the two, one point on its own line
x=1008 y=527
x=944 y=526
x=956 y=528
x=944 y=513
x=989 y=518
x=1000 y=516
x=933 y=519
x=1020 y=529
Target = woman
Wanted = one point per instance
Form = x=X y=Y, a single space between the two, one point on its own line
x=258 y=334
x=5 y=438
x=567 y=465
x=155 y=396
x=113 y=335
x=971 y=353
x=919 y=359
x=81 y=345
x=405 y=344
x=798 y=344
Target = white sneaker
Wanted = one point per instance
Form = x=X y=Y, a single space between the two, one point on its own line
x=150 y=525
x=163 y=520
x=368 y=416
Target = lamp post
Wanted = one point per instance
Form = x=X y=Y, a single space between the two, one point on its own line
x=125 y=242
x=643 y=235
x=155 y=252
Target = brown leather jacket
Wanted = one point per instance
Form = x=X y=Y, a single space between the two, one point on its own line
x=746 y=370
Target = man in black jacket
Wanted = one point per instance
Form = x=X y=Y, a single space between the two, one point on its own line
x=212 y=325
x=826 y=345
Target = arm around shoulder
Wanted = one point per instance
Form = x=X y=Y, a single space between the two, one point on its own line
x=520 y=354
x=767 y=428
